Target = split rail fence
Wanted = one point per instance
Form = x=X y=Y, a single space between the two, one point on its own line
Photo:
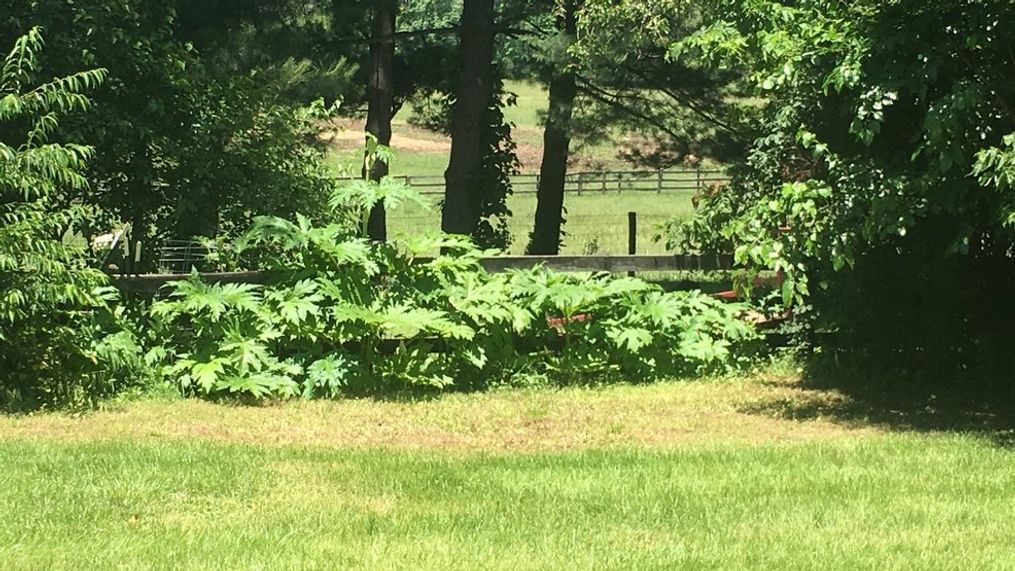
x=179 y=256
x=150 y=283
x=693 y=180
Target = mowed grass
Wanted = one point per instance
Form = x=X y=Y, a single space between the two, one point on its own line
x=595 y=222
x=675 y=475
x=422 y=152
x=531 y=102
x=428 y=164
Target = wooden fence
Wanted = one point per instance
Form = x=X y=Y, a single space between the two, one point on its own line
x=689 y=180
x=150 y=283
x=179 y=256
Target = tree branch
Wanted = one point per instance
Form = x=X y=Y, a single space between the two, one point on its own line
x=614 y=100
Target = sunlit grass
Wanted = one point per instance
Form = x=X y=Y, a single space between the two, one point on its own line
x=596 y=222
x=405 y=163
x=531 y=101
x=660 y=477
x=427 y=159
x=657 y=415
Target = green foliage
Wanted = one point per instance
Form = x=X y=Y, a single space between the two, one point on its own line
x=60 y=340
x=199 y=127
x=340 y=314
x=627 y=83
x=356 y=199
x=995 y=168
x=881 y=182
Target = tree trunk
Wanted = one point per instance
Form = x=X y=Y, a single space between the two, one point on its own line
x=461 y=200
x=545 y=239
x=381 y=102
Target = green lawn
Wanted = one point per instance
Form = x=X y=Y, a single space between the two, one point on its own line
x=675 y=475
x=596 y=222
x=531 y=102
x=405 y=163
x=422 y=152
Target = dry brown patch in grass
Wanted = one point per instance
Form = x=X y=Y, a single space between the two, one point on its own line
x=347 y=134
x=654 y=416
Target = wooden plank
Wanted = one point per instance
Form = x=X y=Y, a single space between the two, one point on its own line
x=150 y=283
x=636 y=263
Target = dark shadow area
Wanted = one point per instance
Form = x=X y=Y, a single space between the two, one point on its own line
x=851 y=392
x=912 y=339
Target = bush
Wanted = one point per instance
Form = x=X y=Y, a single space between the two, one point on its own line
x=881 y=183
x=340 y=314
x=60 y=338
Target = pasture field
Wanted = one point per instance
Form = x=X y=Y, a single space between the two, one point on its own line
x=595 y=222
x=423 y=152
x=758 y=472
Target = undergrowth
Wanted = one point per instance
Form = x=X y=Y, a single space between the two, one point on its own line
x=340 y=314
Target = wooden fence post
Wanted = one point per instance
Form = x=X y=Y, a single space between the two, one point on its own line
x=659 y=187
x=632 y=235
x=136 y=258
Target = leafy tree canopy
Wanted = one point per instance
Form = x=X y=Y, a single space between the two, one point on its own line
x=886 y=148
x=59 y=338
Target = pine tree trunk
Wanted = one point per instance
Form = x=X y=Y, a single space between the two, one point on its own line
x=381 y=102
x=461 y=201
x=545 y=239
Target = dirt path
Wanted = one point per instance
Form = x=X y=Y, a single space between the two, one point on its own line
x=347 y=135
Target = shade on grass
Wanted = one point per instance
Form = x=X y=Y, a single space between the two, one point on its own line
x=869 y=501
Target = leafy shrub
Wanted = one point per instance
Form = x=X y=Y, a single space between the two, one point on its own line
x=338 y=314
x=60 y=339
x=880 y=182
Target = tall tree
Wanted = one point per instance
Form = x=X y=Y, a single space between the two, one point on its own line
x=380 y=100
x=882 y=182
x=545 y=237
x=630 y=82
x=462 y=206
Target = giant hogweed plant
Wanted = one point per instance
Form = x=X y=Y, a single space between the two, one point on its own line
x=60 y=338
x=355 y=200
x=338 y=314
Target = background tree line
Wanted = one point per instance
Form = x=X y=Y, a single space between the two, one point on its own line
x=212 y=108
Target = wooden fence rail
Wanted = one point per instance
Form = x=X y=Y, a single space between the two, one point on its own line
x=150 y=283
x=689 y=180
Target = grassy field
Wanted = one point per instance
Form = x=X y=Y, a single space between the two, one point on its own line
x=423 y=152
x=596 y=223
x=752 y=473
